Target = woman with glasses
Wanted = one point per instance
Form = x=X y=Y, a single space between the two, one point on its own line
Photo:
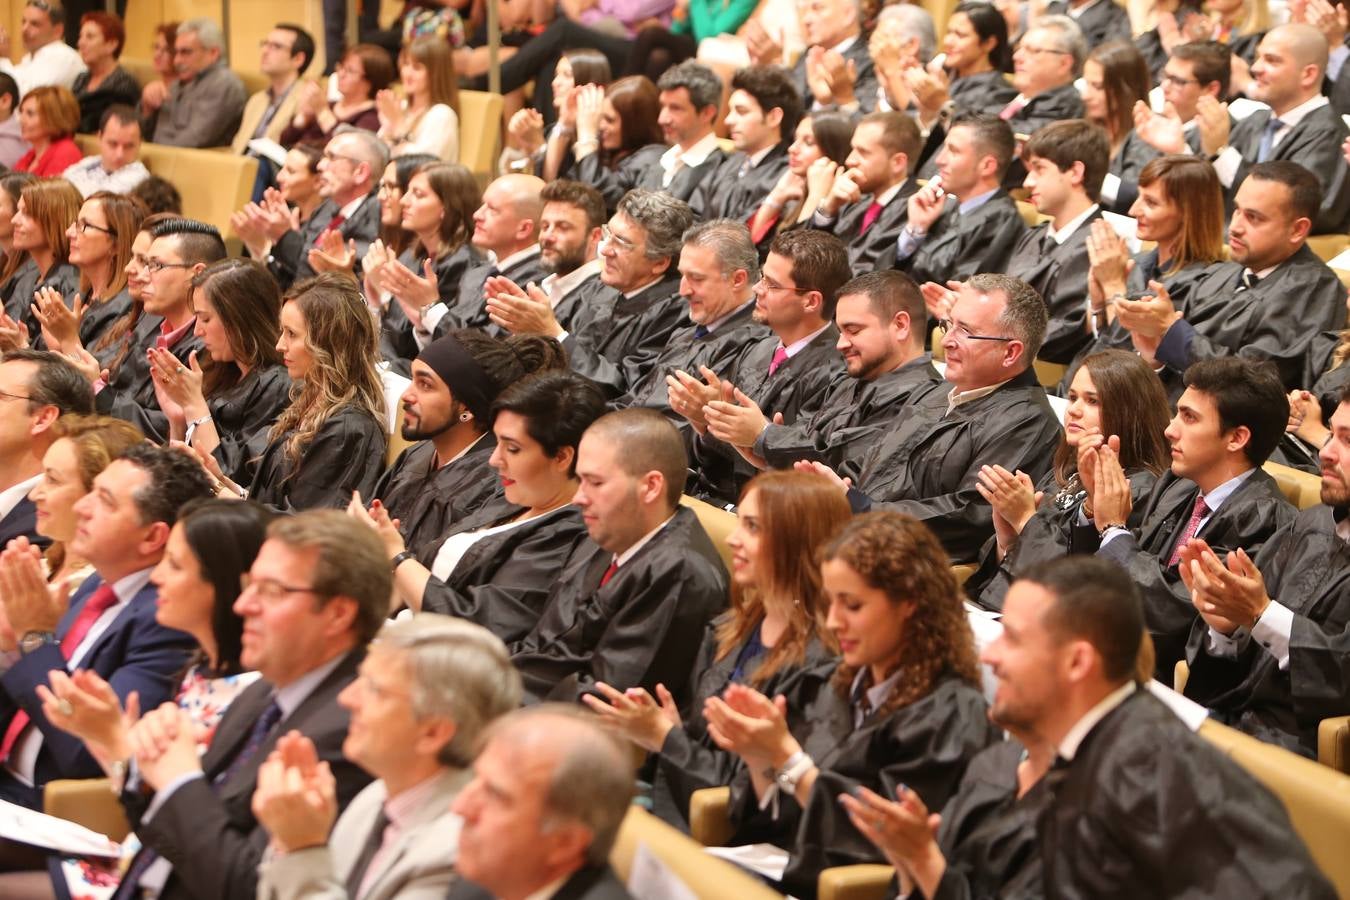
x=104 y=82
x=617 y=131
x=48 y=117
x=393 y=185
x=426 y=120
x=134 y=332
x=44 y=212
x=330 y=440
x=363 y=72
x=1115 y=78
x=227 y=399
x=1115 y=396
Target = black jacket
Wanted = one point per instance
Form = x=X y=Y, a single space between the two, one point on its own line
x=959 y=246
x=469 y=306
x=1059 y=273
x=1104 y=20
x=1314 y=143
x=735 y=189
x=289 y=260
x=398 y=345
x=865 y=248
x=642 y=169
x=427 y=502
x=345 y=455
x=131 y=393
x=590 y=883
x=615 y=339
x=244 y=414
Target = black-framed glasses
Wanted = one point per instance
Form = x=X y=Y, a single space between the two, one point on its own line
x=962 y=333
x=334 y=157
x=269 y=589
x=152 y=265
x=1177 y=81
x=82 y=226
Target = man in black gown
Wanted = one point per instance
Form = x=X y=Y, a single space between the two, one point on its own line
x=1140 y=806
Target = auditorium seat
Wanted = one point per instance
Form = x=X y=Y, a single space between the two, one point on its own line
x=1328 y=246
x=1300 y=488
x=89 y=802
x=480 y=126
x=706 y=877
x=717 y=522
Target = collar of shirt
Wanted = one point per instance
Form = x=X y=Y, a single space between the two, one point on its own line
x=798 y=346
x=842 y=47
x=401 y=808
x=1341 y=516
x=167 y=338
x=350 y=209
x=1263 y=273
x=129 y=586
x=10 y=497
x=566 y=284
x=694 y=156
x=460 y=455
x=958 y=398
x=976 y=202
x=1215 y=498
x=1292 y=117
x=218 y=64
x=717 y=323
x=886 y=196
x=637 y=290
x=877 y=693
x=292 y=695
x=1071 y=226
x=519 y=256
x=628 y=554
x=548 y=890
x=754 y=159
x=55 y=48
x=1068 y=746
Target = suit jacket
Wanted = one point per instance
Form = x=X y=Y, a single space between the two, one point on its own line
x=1314 y=143
x=135 y=653
x=208 y=831
x=420 y=865
x=1247 y=519
x=866 y=248
x=289 y=261
x=253 y=113
x=865 y=76
x=1102 y=21
x=468 y=307
x=589 y=883
x=616 y=339
x=735 y=190
x=1059 y=274
x=22 y=522
x=1306 y=568
x=959 y=246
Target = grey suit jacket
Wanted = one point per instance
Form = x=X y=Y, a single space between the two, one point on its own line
x=419 y=866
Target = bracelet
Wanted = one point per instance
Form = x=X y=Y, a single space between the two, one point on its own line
x=1101 y=532
x=193 y=426
x=400 y=558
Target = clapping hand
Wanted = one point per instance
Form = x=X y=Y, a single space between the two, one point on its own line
x=1014 y=499
x=520 y=310
x=164 y=745
x=296 y=795
x=1164 y=133
x=688 y=396
x=31 y=604
x=60 y=323
x=85 y=705
x=331 y=254
x=737 y=421
x=938 y=299
x=635 y=714
x=1226 y=597
x=904 y=831
x=745 y=722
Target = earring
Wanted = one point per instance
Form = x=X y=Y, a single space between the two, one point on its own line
x=464 y=417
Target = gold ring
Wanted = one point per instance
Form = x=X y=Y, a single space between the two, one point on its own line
x=65 y=708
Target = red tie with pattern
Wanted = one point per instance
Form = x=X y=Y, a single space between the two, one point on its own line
x=1192 y=526
x=779 y=357
x=870 y=217
x=333 y=225
x=95 y=606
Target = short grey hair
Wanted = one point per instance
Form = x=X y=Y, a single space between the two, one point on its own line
x=207 y=31
x=1067 y=36
x=702 y=83
x=458 y=670
x=664 y=218
x=914 y=22
x=373 y=151
x=730 y=242
x=1024 y=313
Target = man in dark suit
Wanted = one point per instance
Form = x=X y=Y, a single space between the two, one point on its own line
x=109 y=627
x=1100 y=20
x=549 y=793
x=868 y=203
x=1301 y=125
x=349 y=172
x=1066 y=162
x=316 y=594
x=967 y=224
x=1138 y=804
x=762 y=116
x=36 y=389
x=1268 y=654
x=1228 y=421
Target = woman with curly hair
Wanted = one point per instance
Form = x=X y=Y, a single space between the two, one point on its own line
x=773 y=632
x=902 y=705
x=331 y=440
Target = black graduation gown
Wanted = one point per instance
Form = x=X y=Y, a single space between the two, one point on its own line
x=690 y=760
x=1338 y=92
x=503 y=581
x=796 y=389
x=866 y=248
x=1149 y=45
x=735 y=189
x=853 y=415
x=397 y=343
x=345 y=455
x=1056 y=104
x=1127 y=163
x=429 y=503
x=959 y=246
x=1314 y=143
x=987 y=92
x=864 y=81
x=1147 y=808
x=616 y=339
x=924 y=746
x=929 y=463
x=642 y=169
x=138 y=339
x=469 y=309
x=1276 y=320
x=1247 y=519
x=289 y=260
x=1327 y=384
x=26 y=281
x=99 y=318
x=1103 y=20
x=131 y=394
x=1059 y=273
x=1048 y=535
x=574 y=306
x=244 y=414
x=641 y=628
x=1306 y=567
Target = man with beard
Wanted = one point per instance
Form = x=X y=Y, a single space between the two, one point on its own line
x=1271 y=652
x=446 y=408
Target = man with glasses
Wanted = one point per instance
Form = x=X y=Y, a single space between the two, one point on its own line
x=995 y=413
x=116 y=167
x=47 y=59
x=179 y=250
x=1194 y=70
x=36 y=389
x=427 y=692
x=287 y=52
x=314 y=597
x=205 y=104
x=786 y=373
x=1046 y=62
x=109 y=627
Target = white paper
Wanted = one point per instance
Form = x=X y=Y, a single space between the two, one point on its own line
x=1341 y=261
x=651 y=879
x=986 y=627
x=28 y=826
x=268 y=149
x=394 y=386
x=1126 y=227
x=764 y=859
x=1243 y=107
x=1060 y=405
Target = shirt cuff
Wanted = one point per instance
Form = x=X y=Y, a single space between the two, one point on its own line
x=820 y=220
x=1228 y=646
x=1226 y=166
x=1273 y=630
x=431 y=317
x=162 y=796
x=906 y=244
x=1111 y=534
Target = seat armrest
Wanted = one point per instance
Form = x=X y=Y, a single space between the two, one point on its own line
x=709 y=821
x=89 y=802
x=861 y=882
x=1333 y=743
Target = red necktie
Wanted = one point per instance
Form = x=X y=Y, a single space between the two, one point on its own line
x=97 y=604
x=1013 y=108
x=870 y=216
x=333 y=225
x=779 y=357
x=609 y=573
x=1192 y=526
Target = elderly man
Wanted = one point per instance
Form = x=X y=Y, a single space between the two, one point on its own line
x=47 y=58
x=550 y=791
x=835 y=70
x=1048 y=59
x=206 y=103
x=116 y=167
x=426 y=692
x=316 y=594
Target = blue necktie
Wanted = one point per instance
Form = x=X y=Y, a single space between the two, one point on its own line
x=700 y=332
x=1268 y=140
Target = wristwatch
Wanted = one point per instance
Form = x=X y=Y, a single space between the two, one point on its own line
x=400 y=558
x=32 y=640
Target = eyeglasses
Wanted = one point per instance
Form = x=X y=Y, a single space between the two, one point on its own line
x=82 y=227
x=269 y=589
x=265 y=44
x=620 y=244
x=961 y=333
x=1039 y=50
x=1175 y=81
x=153 y=266
x=388 y=188
x=334 y=157
x=352 y=71
x=6 y=395
x=771 y=285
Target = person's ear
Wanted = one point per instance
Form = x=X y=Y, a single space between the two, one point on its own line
x=155 y=539
x=1238 y=439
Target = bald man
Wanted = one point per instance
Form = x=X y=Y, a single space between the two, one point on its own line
x=506 y=231
x=1301 y=126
